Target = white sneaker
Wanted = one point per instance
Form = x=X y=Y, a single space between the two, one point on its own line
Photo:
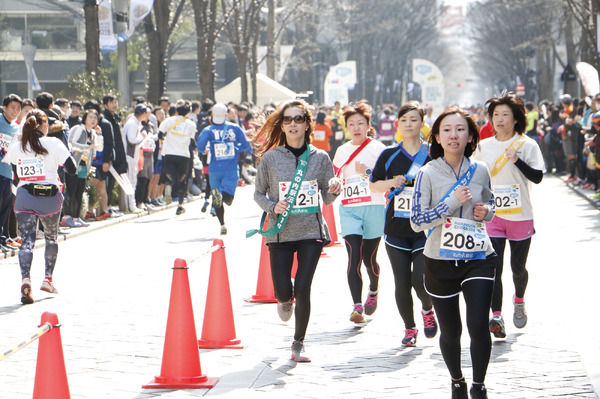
x=285 y=310
x=520 y=315
x=48 y=287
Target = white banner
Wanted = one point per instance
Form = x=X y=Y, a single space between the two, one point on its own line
x=285 y=53
x=138 y=9
x=108 y=41
x=261 y=55
x=589 y=78
x=340 y=79
x=431 y=80
x=35 y=84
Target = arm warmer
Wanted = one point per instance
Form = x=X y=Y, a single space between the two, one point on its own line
x=534 y=175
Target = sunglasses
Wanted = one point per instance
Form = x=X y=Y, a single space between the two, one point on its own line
x=298 y=119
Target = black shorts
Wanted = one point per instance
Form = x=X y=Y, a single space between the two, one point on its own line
x=174 y=168
x=444 y=278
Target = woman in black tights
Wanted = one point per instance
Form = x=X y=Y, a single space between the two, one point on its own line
x=451 y=201
x=290 y=175
x=395 y=172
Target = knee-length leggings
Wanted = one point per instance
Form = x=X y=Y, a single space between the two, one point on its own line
x=27 y=223
x=282 y=260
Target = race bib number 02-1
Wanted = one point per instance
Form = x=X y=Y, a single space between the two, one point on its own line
x=508 y=199
x=463 y=239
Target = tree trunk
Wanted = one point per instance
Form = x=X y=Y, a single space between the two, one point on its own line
x=158 y=39
x=570 y=86
x=205 y=18
x=92 y=36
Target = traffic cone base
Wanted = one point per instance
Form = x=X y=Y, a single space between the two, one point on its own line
x=216 y=344
x=261 y=299
x=182 y=382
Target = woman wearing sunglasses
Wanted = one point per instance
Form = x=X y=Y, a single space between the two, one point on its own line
x=362 y=213
x=290 y=175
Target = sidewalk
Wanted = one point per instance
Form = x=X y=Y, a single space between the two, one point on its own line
x=114 y=313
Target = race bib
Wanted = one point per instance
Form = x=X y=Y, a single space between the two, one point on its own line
x=463 y=239
x=307 y=200
x=386 y=126
x=224 y=151
x=31 y=169
x=356 y=190
x=508 y=199
x=339 y=135
x=5 y=140
x=403 y=203
x=319 y=135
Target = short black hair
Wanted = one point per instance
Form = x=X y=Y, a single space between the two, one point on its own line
x=92 y=104
x=61 y=102
x=140 y=100
x=75 y=103
x=436 y=149
x=44 y=100
x=12 y=98
x=195 y=105
x=207 y=104
x=183 y=107
x=515 y=103
x=108 y=98
x=164 y=99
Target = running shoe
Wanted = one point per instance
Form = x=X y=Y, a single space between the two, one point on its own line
x=26 y=298
x=64 y=221
x=154 y=202
x=12 y=243
x=213 y=212
x=371 y=304
x=459 y=389
x=430 y=324
x=205 y=206
x=297 y=349
x=48 y=286
x=285 y=310
x=217 y=198
x=223 y=230
x=520 y=315
x=81 y=222
x=596 y=195
x=180 y=210
x=478 y=391
x=497 y=326
x=90 y=216
x=570 y=179
x=410 y=337
x=587 y=186
x=161 y=202
x=105 y=215
x=357 y=316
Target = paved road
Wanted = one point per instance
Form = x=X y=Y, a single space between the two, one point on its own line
x=114 y=294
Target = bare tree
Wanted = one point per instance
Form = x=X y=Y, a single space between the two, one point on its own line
x=159 y=26
x=92 y=36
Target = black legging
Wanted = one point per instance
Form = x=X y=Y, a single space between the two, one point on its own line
x=282 y=259
x=220 y=210
x=519 y=250
x=361 y=251
x=408 y=273
x=477 y=294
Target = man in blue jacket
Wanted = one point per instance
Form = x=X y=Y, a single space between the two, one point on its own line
x=226 y=141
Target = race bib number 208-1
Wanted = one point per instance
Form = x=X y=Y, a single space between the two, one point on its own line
x=463 y=239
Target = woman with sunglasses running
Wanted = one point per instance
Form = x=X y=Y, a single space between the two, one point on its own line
x=362 y=213
x=290 y=175
x=35 y=160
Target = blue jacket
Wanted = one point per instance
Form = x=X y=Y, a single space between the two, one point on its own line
x=226 y=141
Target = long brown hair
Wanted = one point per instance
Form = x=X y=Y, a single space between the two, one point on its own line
x=271 y=135
x=31 y=132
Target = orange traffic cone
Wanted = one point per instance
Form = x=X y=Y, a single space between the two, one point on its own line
x=50 y=373
x=329 y=216
x=181 y=358
x=265 y=293
x=218 y=330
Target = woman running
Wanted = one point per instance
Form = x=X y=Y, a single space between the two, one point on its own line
x=35 y=160
x=395 y=171
x=452 y=199
x=289 y=178
x=362 y=214
x=515 y=160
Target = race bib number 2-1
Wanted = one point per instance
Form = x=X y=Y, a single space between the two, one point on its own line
x=463 y=239
x=31 y=169
x=307 y=200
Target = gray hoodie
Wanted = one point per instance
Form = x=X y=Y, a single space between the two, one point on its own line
x=279 y=165
x=433 y=181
